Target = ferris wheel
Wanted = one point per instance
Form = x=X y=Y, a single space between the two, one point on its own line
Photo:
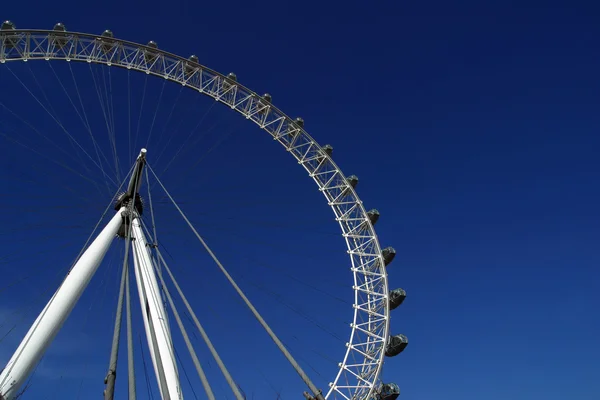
x=369 y=341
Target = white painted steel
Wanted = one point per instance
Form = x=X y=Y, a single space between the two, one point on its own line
x=152 y=304
x=140 y=290
x=53 y=316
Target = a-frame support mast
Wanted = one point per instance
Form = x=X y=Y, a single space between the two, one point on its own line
x=53 y=316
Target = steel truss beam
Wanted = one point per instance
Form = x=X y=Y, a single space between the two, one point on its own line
x=355 y=379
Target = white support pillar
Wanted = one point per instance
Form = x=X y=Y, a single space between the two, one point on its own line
x=155 y=321
x=54 y=315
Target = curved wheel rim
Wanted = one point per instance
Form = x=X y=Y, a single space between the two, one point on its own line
x=370 y=326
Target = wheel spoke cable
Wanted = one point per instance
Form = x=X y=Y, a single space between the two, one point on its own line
x=104 y=106
x=209 y=344
x=188 y=344
x=84 y=121
x=155 y=113
x=316 y=392
x=161 y=262
x=56 y=116
x=89 y=128
x=57 y=121
x=137 y=131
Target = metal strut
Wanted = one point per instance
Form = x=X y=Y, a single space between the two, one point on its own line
x=186 y=338
x=131 y=368
x=111 y=376
x=131 y=198
x=53 y=316
x=124 y=200
x=153 y=312
x=55 y=313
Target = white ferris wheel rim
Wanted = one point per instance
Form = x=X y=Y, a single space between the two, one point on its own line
x=370 y=327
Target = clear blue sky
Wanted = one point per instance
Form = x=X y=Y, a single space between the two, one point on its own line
x=473 y=129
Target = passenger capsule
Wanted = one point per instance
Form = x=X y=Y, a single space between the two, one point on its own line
x=59 y=36
x=396 y=345
x=353 y=181
x=388 y=391
x=10 y=41
x=229 y=81
x=8 y=26
x=396 y=297
x=106 y=40
x=264 y=102
x=150 y=55
x=327 y=150
x=373 y=216
x=191 y=65
x=388 y=255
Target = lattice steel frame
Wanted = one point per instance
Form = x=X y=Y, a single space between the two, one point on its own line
x=358 y=377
